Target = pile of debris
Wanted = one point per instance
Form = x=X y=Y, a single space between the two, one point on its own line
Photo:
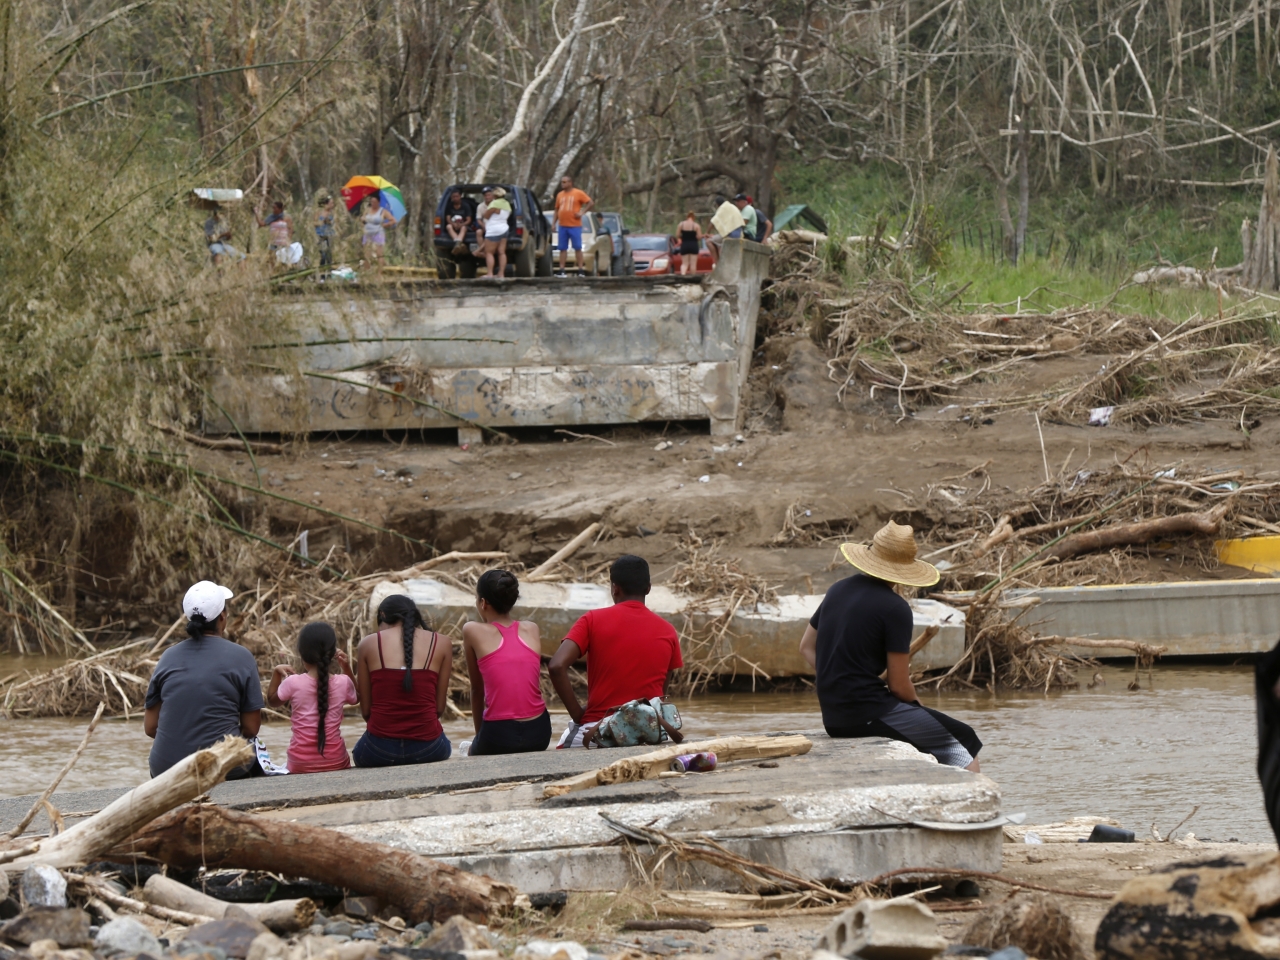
x=899 y=340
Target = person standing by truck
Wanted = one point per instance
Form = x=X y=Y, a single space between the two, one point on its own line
x=571 y=204
x=497 y=226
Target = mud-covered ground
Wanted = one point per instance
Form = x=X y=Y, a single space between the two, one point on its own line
x=850 y=465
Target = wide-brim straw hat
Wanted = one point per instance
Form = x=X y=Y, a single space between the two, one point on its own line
x=892 y=557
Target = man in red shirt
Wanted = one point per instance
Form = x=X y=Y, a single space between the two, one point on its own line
x=631 y=652
x=571 y=204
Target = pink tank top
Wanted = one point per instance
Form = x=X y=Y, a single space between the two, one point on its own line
x=511 y=688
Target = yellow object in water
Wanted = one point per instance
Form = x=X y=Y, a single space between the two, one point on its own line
x=1259 y=554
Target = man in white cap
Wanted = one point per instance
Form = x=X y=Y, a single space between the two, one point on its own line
x=204 y=688
x=861 y=628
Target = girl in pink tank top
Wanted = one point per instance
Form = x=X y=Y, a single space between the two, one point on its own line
x=504 y=661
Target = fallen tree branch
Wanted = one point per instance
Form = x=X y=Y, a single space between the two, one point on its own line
x=568 y=550
x=66 y=768
x=103 y=892
x=922 y=641
x=258 y=446
x=434 y=562
x=423 y=888
x=1144 y=531
x=281 y=916
x=183 y=782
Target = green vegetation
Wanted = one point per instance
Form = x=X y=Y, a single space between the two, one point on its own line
x=1081 y=249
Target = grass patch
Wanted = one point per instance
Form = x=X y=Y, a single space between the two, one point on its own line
x=1081 y=248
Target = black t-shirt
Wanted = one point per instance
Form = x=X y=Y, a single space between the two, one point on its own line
x=859 y=621
x=466 y=211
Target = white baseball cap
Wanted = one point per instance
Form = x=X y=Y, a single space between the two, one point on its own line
x=207 y=599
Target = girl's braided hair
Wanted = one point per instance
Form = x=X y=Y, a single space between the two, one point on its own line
x=318 y=645
x=400 y=609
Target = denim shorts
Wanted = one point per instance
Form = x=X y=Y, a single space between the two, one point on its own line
x=372 y=751
x=570 y=237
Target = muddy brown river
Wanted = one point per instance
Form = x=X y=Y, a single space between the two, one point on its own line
x=1143 y=757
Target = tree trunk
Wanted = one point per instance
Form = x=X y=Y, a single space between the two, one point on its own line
x=1260 y=271
x=1024 y=182
x=424 y=889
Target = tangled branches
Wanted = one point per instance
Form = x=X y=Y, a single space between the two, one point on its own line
x=718 y=588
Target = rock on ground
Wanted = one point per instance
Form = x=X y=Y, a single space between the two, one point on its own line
x=43 y=886
x=127 y=936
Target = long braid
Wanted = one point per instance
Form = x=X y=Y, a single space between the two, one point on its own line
x=318 y=645
x=400 y=609
x=408 y=627
x=322 y=701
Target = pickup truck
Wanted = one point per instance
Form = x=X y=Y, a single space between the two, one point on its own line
x=528 y=242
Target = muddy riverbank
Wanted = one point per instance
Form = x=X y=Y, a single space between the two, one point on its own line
x=1147 y=756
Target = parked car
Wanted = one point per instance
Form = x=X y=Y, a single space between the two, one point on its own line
x=621 y=256
x=528 y=242
x=605 y=250
x=652 y=253
x=705 y=262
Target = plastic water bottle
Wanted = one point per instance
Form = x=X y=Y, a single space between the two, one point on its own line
x=694 y=763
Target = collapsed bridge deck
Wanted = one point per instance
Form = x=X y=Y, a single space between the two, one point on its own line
x=528 y=352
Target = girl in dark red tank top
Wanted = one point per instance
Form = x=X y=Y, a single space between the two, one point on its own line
x=403 y=683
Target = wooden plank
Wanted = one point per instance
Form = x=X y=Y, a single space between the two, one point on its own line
x=647 y=766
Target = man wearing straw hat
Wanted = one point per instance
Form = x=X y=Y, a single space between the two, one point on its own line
x=863 y=627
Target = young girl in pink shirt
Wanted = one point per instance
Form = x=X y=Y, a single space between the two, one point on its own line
x=316 y=698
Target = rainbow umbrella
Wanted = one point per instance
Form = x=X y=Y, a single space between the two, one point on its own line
x=389 y=196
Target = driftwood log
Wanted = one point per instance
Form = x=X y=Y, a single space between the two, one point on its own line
x=181 y=783
x=647 y=766
x=1144 y=531
x=424 y=889
x=280 y=916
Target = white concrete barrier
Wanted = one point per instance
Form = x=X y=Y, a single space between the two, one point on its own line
x=1198 y=617
x=766 y=638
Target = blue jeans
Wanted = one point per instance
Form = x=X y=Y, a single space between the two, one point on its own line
x=735 y=234
x=371 y=751
x=570 y=237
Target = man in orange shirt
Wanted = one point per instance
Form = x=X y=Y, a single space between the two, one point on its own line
x=571 y=204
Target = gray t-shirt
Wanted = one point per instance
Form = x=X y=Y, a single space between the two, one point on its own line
x=204 y=686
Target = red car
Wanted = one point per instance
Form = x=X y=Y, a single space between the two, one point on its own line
x=652 y=253
x=705 y=262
